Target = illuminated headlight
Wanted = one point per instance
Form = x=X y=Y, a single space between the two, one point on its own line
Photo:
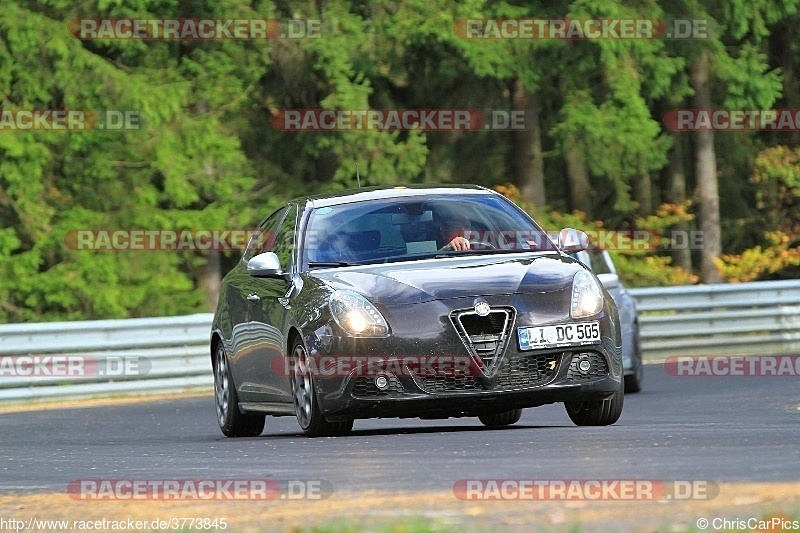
x=356 y=315
x=587 y=297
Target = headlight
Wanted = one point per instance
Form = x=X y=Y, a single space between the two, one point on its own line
x=587 y=297
x=356 y=315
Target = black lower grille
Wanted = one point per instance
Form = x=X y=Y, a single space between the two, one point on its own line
x=365 y=386
x=597 y=367
x=527 y=371
x=450 y=383
x=519 y=372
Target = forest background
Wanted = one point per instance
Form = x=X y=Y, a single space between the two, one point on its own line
x=596 y=152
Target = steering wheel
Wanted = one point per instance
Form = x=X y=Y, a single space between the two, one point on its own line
x=483 y=243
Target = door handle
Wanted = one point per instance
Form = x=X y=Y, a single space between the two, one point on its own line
x=253 y=297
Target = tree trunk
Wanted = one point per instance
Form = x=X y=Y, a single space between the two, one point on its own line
x=676 y=194
x=784 y=36
x=578 y=178
x=526 y=158
x=706 y=175
x=211 y=279
x=643 y=194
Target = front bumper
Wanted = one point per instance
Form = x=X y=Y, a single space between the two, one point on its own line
x=523 y=379
x=519 y=379
x=423 y=404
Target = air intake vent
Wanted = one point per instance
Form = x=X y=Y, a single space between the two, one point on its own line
x=528 y=370
x=485 y=336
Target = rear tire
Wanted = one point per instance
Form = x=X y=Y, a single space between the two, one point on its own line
x=506 y=418
x=309 y=416
x=231 y=421
x=597 y=412
x=633 y=382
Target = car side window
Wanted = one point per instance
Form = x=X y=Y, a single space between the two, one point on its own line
x=283 y=245
x=263 y=239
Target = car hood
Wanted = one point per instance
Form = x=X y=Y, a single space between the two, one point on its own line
x=445 y=278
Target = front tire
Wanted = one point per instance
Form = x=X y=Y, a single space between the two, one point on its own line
x=597 y=412
x=506 y=418
x=309 y=416
x=231 y=421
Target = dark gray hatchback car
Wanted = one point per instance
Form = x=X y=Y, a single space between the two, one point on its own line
x=428 y=302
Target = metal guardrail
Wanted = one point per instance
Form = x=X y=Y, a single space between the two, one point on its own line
x=171 y=354
x=726 y=319
x=137 y=355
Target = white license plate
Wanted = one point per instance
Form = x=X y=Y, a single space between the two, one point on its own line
x=558 y=336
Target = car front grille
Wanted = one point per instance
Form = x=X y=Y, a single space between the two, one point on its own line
x=519 y=372
x=525 y=371
x=597 y=367
x=450 y=383
x=365 y=387
x=485 y=337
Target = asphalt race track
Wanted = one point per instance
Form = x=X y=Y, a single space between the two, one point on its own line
x=743 y=429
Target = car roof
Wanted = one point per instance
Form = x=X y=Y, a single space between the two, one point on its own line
x=379 y=193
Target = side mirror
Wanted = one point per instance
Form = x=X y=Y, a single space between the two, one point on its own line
x=266 y=265
x=609 y=281
x=572 y=240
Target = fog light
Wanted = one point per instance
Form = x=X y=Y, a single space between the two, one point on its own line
x=584 y=365
x=382 y=383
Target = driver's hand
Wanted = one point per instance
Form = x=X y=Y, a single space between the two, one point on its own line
x=459 y=244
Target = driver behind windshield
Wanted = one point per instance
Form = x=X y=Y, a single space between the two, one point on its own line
x=454 y=229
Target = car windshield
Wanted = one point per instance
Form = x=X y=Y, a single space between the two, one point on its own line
x=400 y=229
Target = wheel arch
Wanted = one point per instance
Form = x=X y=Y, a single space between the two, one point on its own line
x=291 y=337
x=216 y=340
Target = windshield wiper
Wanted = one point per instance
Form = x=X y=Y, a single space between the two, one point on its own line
x=313 y=264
